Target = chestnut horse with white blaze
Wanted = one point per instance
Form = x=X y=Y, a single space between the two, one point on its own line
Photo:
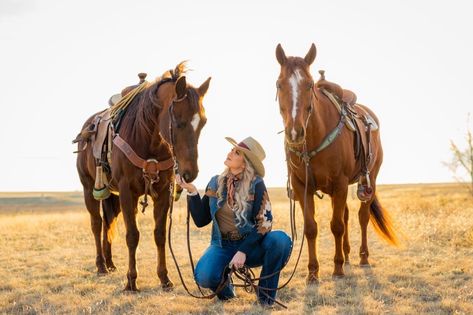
x=320 y=145
x=161 y=126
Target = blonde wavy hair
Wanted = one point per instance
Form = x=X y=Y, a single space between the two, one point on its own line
x=242 y=191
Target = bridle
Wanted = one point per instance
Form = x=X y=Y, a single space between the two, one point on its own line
x=172 y=122
x=313 y=96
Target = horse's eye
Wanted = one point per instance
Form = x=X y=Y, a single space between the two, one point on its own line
x=181 y=125
x=278 y=86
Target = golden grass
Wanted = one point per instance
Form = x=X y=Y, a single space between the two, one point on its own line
x=48 y=260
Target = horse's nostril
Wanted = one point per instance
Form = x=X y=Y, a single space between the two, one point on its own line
x=186 y=176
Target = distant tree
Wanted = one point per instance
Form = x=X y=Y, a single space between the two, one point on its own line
x=463 y=159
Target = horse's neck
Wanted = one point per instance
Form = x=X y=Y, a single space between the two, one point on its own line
x=322 y=120
x=143 y=134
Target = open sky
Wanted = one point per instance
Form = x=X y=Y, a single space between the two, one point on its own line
x=60 y=61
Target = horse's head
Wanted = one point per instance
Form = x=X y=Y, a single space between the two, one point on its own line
x=181 y=120
x=295 y=91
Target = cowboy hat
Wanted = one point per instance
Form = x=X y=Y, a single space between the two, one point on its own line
x=253 y=151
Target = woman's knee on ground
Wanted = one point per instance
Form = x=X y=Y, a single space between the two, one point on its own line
x=208 y=279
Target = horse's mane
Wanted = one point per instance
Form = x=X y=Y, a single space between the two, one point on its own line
x=142 y=108
x=175 y=73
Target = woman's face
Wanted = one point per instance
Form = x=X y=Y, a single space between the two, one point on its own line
x=235 y=161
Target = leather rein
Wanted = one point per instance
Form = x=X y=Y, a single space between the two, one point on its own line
x=244 y=273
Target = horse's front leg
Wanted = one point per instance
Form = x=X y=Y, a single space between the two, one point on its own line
x=310 y=229
x=161 y=207
x=337 y=225
x=346 y=241
x=128 y=203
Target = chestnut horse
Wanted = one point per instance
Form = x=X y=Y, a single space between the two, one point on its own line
x=309 y=116
x=162 y=122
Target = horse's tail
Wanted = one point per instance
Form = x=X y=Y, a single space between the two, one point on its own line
x=382 y=222
x=110 y=217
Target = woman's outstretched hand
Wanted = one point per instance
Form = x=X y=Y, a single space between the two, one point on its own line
x=187 y=186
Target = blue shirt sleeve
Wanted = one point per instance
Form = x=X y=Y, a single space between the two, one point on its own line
x=199 y=209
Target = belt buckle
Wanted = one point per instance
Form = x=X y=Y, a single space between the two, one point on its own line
x=232 y=236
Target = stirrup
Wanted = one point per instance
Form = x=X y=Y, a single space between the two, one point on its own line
x=101 y=194
x=101 y=190
x=364 y=192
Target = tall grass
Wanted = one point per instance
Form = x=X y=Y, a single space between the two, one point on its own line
x=47 y=261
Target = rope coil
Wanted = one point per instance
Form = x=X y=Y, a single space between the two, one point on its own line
x=126 y=100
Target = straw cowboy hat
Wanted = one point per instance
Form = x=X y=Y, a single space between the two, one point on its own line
x=253 y=151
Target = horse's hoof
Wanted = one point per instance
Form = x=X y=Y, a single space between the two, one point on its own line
x=102 y=271
x=168 y=286
x=112 y=268
x=347 y=266
x=129 y=289
x=365 y=266
x=338 y=276
x=312 y=279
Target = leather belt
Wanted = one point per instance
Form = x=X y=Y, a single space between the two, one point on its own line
x=232 y=236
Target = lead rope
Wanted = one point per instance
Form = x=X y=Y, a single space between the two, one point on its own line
x=226 y=274
x=302 y=242
x=246 y=274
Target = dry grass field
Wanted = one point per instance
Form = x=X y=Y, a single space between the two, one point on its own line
x=47 y=260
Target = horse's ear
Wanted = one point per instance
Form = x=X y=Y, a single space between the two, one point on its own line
x=310 y=57
x=280 y=55
x=204 y=87
x=181 y=87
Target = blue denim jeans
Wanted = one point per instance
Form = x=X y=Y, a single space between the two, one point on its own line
x=271 y=253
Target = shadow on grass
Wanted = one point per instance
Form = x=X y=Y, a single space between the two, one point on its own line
x=348 y=294
x=312 y=299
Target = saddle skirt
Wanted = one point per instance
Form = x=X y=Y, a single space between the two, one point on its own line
x=104 y=127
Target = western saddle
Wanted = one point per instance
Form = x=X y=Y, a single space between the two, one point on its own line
x=359 y=121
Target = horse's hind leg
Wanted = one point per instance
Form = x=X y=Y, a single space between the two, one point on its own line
x=364 y=218
x=161 y=207
x=93 y=206
x=346 y=242
x=111 y=209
